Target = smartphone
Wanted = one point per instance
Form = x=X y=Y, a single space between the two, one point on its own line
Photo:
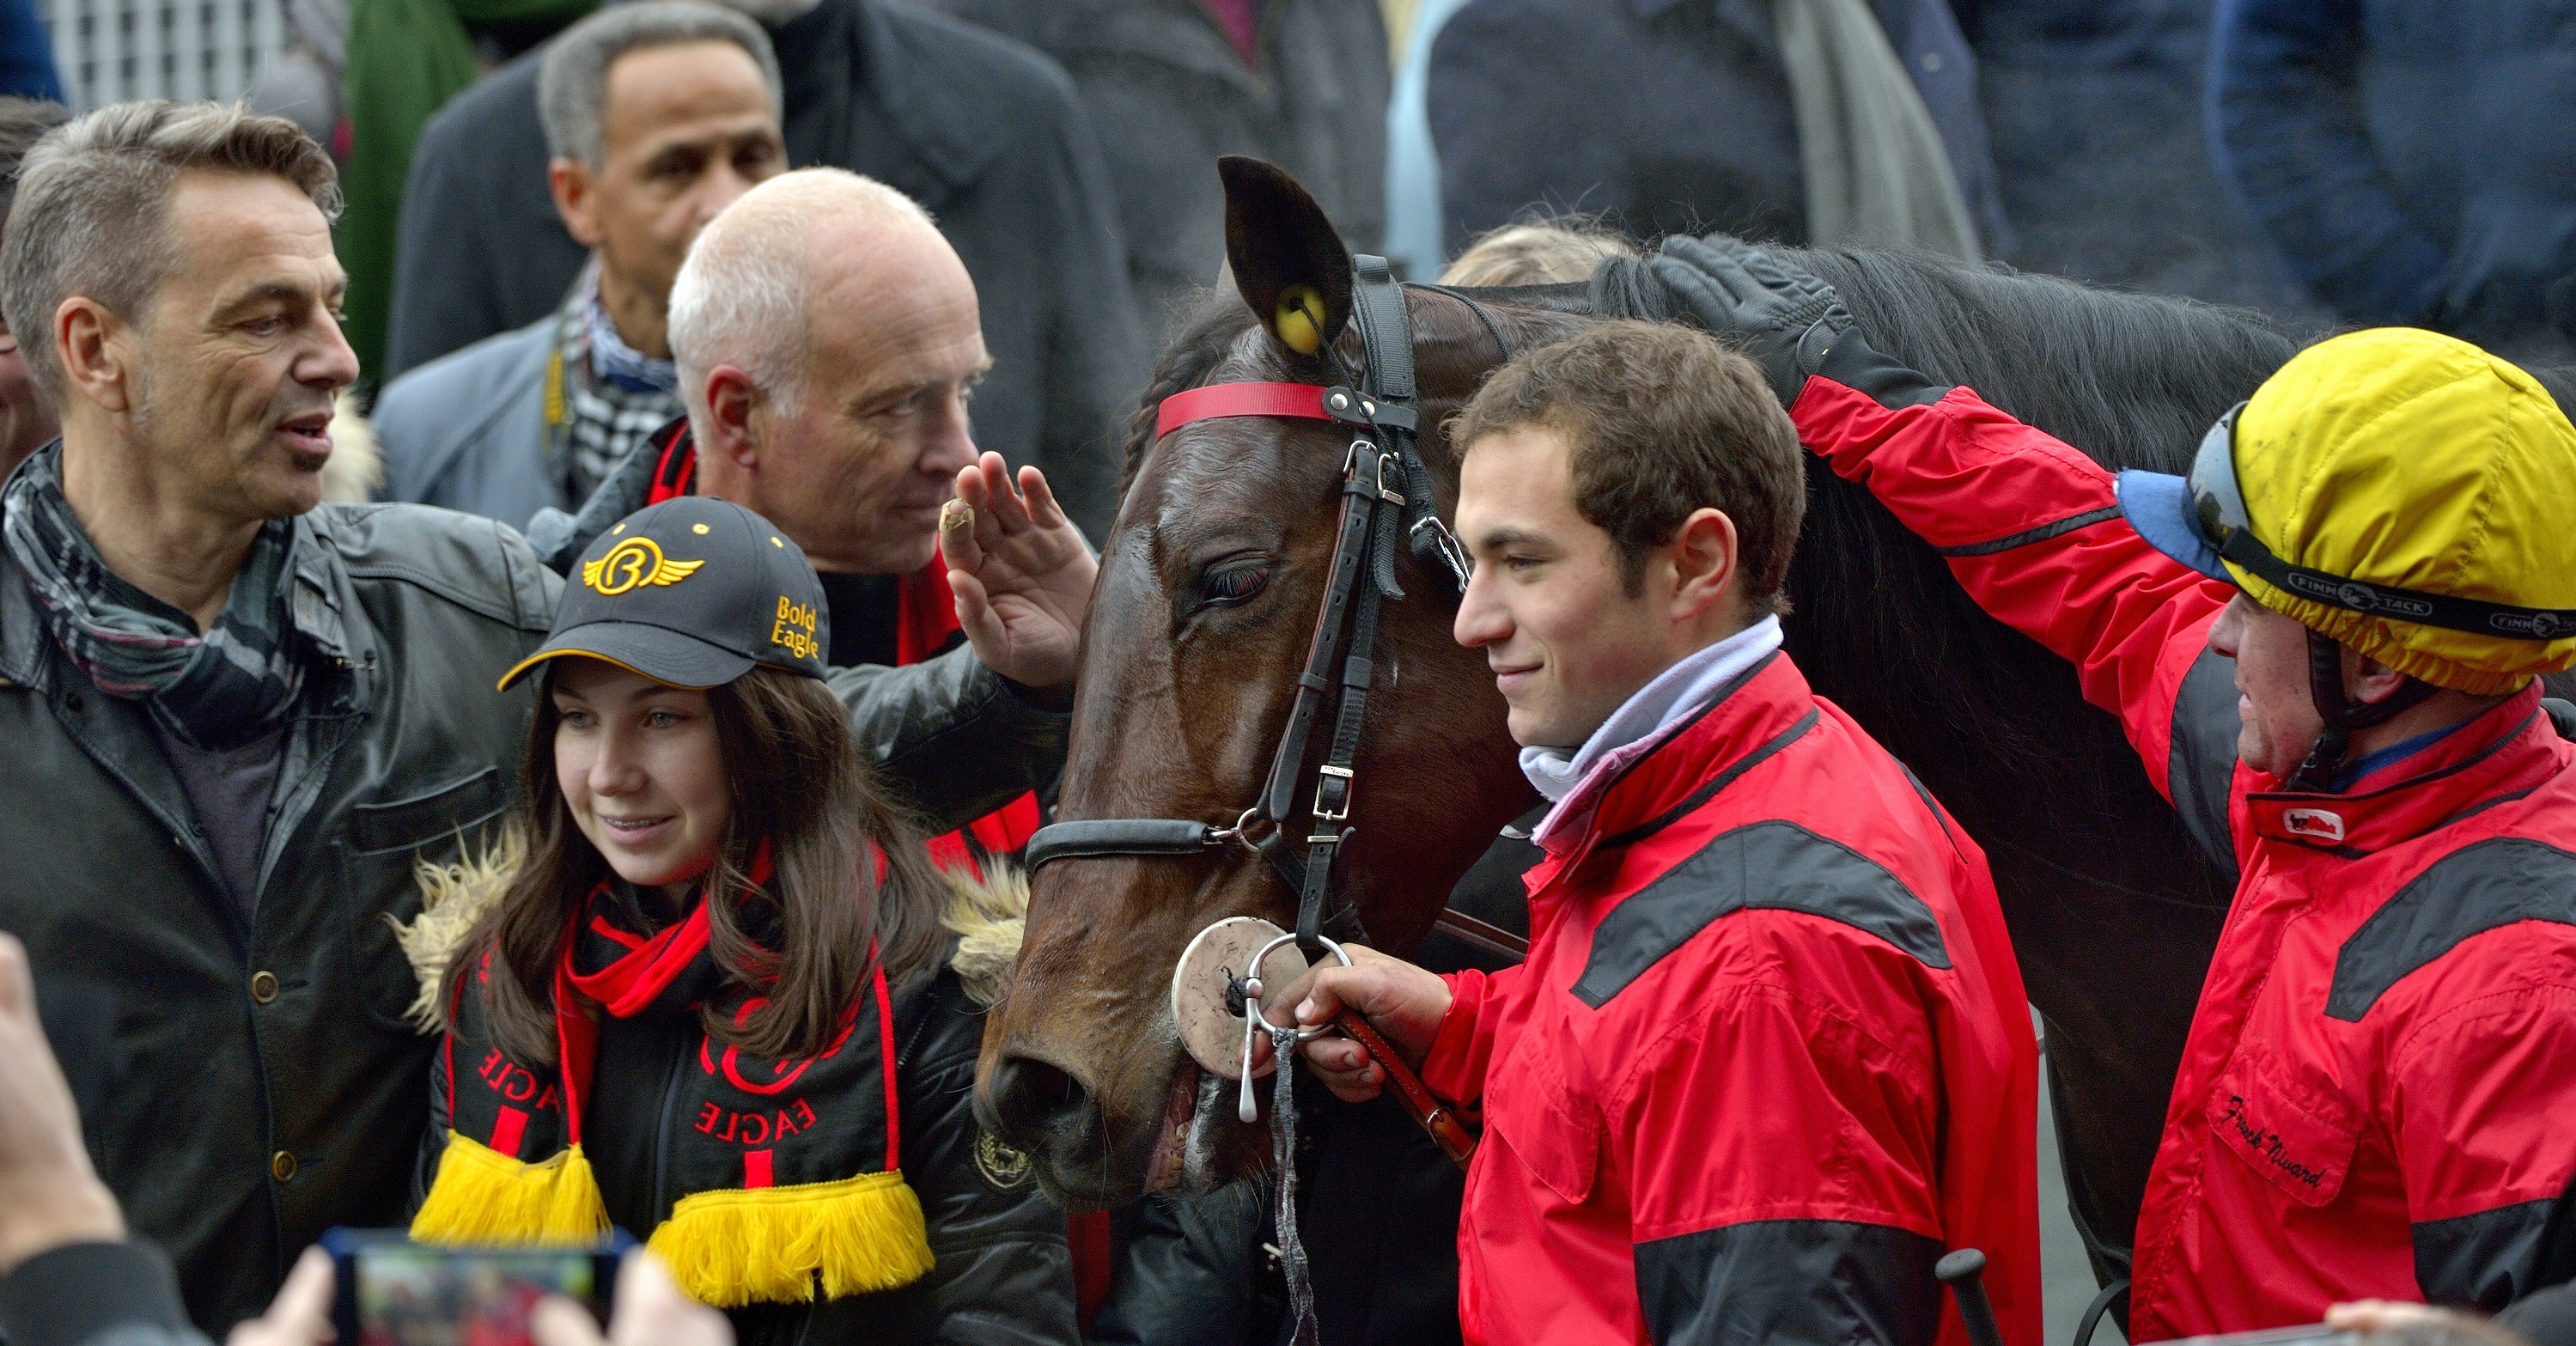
x=2306 y=1334
x=391 y=1291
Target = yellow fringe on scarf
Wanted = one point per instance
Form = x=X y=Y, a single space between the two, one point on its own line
x=485 y=1198
x=734 y=1247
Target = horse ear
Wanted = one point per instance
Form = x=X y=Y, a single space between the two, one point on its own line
x=1288 y=260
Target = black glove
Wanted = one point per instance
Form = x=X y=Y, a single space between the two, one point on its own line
x=1791 y=322
x=1784 y=317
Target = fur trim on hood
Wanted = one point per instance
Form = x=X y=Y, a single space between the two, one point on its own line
x=986 y=912
x=355 y=471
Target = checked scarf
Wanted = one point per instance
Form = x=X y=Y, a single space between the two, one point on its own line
x=605 y=397
x=216 y=690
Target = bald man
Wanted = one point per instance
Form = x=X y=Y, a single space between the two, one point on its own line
x=827 y=341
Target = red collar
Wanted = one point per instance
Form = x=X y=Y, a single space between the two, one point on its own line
x=2511 y=748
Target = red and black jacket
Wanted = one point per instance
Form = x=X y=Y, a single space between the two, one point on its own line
x=1769 y=1058
x=2374 y=1097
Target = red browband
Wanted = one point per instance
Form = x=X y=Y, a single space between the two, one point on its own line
x=1302 y=401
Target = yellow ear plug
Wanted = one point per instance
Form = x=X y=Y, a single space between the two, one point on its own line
x=1300 y=320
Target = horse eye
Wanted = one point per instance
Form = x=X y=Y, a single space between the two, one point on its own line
x=1234 y=584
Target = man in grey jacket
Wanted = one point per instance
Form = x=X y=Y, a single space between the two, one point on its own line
x=238 y=723
x=657 y=115
x=983 y=132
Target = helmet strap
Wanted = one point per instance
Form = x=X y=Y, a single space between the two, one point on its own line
x=2341 y=714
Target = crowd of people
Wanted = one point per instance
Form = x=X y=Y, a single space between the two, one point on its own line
x=544 y=589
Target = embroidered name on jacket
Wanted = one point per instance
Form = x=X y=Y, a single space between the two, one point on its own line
x=2266 y=1143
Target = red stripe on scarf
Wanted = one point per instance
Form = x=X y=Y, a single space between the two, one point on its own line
x=623 y=988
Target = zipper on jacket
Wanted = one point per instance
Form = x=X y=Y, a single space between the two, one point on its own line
x=662 y=1200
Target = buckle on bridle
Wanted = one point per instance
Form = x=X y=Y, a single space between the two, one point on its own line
x=1353 y=485
x=1338 y=808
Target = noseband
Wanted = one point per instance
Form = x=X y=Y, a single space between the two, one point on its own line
x=1385 y=493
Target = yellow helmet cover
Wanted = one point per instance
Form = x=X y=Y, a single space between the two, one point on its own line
x=2414 y=460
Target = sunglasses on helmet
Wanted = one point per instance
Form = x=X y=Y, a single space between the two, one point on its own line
x=2219 y=515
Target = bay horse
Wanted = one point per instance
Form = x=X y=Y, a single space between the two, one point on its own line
x=1208 y=590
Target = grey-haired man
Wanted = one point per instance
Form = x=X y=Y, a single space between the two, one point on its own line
x=237 y=723
x=657 y=115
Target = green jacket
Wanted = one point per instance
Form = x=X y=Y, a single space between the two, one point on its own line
x=245 y=1085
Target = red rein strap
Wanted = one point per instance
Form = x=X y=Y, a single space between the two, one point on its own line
x=1298 y=401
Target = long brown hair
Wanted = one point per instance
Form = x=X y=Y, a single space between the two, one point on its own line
x=797 y=781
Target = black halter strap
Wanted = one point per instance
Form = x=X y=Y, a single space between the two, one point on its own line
x=1386 y=496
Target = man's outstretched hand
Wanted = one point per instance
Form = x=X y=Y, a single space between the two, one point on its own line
x=1402 y=1002
x=1021 y=570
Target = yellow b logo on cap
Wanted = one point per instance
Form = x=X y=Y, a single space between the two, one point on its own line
x=637 y=560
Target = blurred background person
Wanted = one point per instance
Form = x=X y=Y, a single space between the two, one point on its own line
x=302 y=82
x=658 y=114
x=1824 y=122
x=1172 y=84
x=983 y=132
x=402 y=61
x=2410 y=160
x=27 y=53
x=2093 y=109
x=1413 y=224
x=1562 y=251
x=27 y=419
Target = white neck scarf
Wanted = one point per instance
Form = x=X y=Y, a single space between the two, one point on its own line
x=1573 y=780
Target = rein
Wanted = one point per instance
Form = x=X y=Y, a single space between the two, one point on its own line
x=1385 y=493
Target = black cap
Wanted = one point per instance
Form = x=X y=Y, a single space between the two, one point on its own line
x=691 y=592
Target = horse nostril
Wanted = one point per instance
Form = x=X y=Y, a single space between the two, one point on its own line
x=1032 y=1098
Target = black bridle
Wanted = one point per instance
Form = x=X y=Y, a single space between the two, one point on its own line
x=1386 y=495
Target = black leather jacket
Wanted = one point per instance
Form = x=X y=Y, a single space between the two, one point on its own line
x=246 y=1084
x=1003 y=1273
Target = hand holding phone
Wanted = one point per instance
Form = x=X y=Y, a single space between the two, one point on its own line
x=650 y=1311
x=301 y=1313
x=394 y=1292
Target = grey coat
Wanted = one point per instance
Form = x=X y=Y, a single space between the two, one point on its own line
x=468 y=431
x=983 y=132
x=245 y=1083
x=1168 y=93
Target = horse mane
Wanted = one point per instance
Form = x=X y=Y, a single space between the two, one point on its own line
x=2134 y=380
x=1214 y=320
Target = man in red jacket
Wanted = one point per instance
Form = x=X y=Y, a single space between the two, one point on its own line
x=2324 y=644
x=1769 y=1058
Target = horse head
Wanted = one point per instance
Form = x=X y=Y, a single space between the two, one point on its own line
x=1211 y=581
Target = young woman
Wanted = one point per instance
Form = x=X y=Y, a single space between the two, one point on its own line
x=708 y=998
